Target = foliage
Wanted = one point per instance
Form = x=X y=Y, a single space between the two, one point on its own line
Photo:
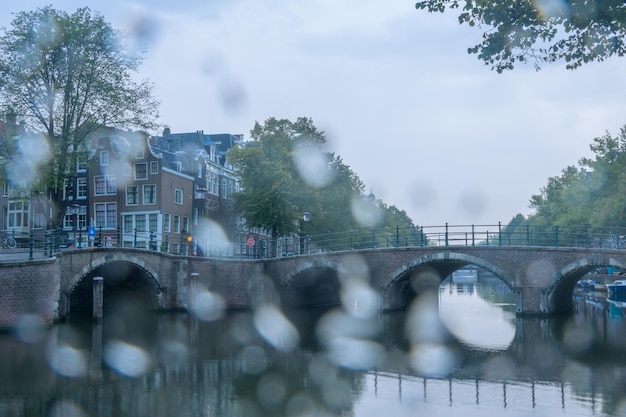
x=545 y=31
x=275 y=193
x=594 y=193
x=64 y=75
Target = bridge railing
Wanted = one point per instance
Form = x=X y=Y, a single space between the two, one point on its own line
x=41 y=243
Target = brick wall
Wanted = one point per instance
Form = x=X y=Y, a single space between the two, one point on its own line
x=28 y=288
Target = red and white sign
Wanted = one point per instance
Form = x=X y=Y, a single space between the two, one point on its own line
x=250 y=242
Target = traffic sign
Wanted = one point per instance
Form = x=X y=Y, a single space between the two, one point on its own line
x=250 y=241
x=91 y=232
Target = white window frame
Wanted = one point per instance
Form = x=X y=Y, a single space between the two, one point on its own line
x=106 y=222
x=144 y=188
x=81 y=188
x=128 y=188
x=167 y=219
x=104 y=158
x=110 y=185
x=135 y=171
x=154 y=167
x=178 y=196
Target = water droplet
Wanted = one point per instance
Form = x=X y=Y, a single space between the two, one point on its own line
x=274 y=327
x=125 y=358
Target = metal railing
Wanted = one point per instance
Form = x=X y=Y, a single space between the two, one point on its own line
x=44 y=243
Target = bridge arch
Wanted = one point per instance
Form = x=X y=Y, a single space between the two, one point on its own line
x=426 y=273
x=315 y=282
x=125 y=276
x=559 y=294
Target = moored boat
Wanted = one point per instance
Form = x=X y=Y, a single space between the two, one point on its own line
x=586 y=284
x=617 y=287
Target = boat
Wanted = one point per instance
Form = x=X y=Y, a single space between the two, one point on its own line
x=586 y=284
x=617 y=287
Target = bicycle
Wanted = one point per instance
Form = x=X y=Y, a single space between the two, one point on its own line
x=8 y=241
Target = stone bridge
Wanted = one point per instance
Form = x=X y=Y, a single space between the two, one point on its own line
x=542 y=278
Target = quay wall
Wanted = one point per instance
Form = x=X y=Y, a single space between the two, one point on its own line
x=29 y=292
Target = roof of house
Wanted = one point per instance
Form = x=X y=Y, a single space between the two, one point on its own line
x=190 y=142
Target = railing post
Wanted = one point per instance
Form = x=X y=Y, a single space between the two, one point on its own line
x=167 y=243
x=397 y=237
x=31 y=244
x=80 y=237
x=373 y=238
x=556 y=235
x=100 y=237
x=351 y=243
x=499 y=234
x=422 y=235
x=119 y=236
x=51 y=237
x=135 y=239
x=446 y=233
x=587 y=244
x=527 y=235
x=473 y=242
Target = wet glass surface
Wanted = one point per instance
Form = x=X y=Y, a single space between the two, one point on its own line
x=474 y=357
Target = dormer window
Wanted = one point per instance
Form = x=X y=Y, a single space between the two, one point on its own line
x=177 y=166
x=104 y=158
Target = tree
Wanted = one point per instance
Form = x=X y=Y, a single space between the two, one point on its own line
x=576 y=31
x=65 y=76
x=593 y=193
x=275 y=192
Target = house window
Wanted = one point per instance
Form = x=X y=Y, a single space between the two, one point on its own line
x=67 y=190
x=18 y=214
x=104 y=158
x=177 y=166
x=176 y=224
x=166 y=222
x=149 y=194
x=199 y=170
x=178 y=196
x=154 y=167
x=81 y=218
x=105 y=184
x=132 y=198
x=81 y=163
x=106 y=215
x=153 y=220
x=5 y=189
x=140 y=222
x=141 y=171
x=128 y=224
x=81 y=184
x=186 y=224
x=139 y=153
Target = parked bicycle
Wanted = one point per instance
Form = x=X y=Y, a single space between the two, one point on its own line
x=7 y=240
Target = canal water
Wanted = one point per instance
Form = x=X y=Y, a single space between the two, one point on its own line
x=460 y=351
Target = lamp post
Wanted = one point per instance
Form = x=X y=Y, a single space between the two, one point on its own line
x=200 y=196
x=74 y=209
x=306 y=218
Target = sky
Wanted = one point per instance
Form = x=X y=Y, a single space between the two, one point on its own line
x=427 y=127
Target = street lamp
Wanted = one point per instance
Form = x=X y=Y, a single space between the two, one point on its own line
x=74 y=209
x=200 y=195
x=306 y=217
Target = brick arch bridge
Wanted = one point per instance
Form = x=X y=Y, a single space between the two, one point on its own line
x=542 y=278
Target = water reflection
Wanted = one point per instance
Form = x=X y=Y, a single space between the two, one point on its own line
x=479 y=359
x=487 y=321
